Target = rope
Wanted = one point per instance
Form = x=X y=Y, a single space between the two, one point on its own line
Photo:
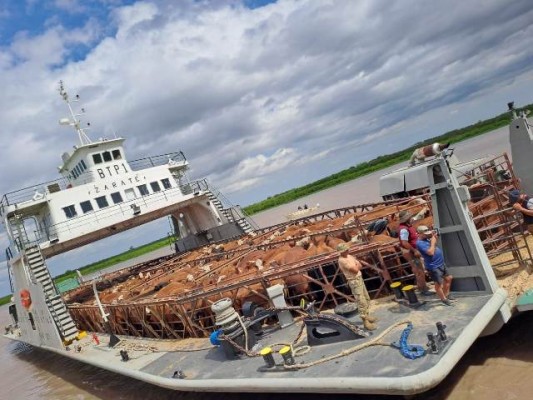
x=374 y=342
x=298 y=349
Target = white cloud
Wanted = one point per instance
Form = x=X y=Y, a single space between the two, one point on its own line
x=130 y=17
x=230 y=85
x=71 y=6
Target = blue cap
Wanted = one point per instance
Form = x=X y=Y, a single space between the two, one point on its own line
x=513 y=196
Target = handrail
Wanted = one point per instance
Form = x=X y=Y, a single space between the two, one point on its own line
x=194 y=186
x=18 y=243
x=9 y=256
x=233 y=209
x=27 y=193
x=154 y=161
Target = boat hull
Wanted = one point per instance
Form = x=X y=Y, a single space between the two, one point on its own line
x=371 y=370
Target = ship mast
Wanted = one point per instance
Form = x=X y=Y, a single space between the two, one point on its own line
x=73 y=120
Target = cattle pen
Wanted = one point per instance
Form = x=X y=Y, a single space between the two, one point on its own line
x=171 y=297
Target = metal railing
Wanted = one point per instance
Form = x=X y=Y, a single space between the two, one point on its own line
x=28 y=193
x=175 y=158
x=9 y=256
x=203 y=185
x=194 y=186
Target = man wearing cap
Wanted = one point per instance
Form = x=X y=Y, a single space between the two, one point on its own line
x=524 y=204
x=434 y=262
x=351 y=268
x=408 y=237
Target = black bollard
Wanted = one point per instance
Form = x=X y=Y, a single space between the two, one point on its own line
x=409 y=291
x=178 y=374
x=286 y=353
x=441 y=332
x=432 y=344
x=397 y=291
x=266 y=353
x=124 y=355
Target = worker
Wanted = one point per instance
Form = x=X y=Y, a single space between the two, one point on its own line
x=351 y=268
x=408 y=238
x=523 y=203
x=434 y=262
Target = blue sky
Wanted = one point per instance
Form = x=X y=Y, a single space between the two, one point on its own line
x=261 y=96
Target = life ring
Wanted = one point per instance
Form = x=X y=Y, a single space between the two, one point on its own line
x=25 y=298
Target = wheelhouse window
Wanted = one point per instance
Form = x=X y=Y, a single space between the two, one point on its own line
x=116 y=155
x=116 y=197
x=106 y=155
x=86 y=206
x=155 y=187
x=102 y=202
x=97 y=158
x=70 y=211
x=83 y=166
x=166 y=183
x=143 y=190
x=130 y=194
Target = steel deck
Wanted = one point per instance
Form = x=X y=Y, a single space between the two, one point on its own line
x=376 y=369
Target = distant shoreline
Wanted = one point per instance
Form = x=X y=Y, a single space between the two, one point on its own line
x=380 y=163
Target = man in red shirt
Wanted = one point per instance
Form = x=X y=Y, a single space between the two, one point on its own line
x=408 y=237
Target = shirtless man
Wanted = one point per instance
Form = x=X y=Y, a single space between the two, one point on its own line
x=351 y=268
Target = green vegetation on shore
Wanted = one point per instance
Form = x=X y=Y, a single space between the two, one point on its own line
x=380 y=162
x=5 y=299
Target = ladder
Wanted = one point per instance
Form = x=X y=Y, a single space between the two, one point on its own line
x=231 y=213
x=54 y=301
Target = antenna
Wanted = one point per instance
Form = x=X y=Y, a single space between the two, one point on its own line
x=73 y=120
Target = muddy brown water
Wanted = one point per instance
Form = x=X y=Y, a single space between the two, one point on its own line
x=496 y=367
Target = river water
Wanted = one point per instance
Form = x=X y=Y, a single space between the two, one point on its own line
x=496 y=367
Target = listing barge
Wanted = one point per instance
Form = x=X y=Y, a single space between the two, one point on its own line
x=211 y=316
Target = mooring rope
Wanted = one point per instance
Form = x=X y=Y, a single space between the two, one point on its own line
x=373 y=342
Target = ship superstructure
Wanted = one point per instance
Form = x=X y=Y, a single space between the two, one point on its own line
x=100 y=194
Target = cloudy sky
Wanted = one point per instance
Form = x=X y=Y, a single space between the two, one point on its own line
x=260 y=95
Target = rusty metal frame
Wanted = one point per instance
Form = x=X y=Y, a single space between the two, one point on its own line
x=189 y=314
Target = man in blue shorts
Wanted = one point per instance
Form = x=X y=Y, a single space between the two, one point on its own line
x=434 y=262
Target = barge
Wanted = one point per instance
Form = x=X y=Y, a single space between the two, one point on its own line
x=243 y=309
